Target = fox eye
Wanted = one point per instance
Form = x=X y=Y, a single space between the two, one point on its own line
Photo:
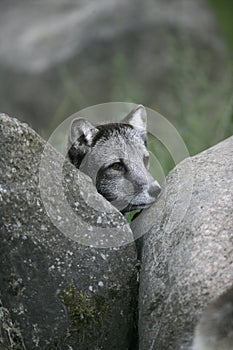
x=118 y=166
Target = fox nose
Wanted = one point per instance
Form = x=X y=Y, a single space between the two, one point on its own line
x=154 y=189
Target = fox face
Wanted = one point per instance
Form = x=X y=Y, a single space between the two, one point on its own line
x=116 y=157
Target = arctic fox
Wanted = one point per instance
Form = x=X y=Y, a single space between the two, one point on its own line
x=116 y=157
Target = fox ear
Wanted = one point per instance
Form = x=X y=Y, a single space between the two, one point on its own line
x=81 y=127
x=137 y=118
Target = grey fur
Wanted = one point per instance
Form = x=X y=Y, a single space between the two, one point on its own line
x=215 y=329
x=116 y=157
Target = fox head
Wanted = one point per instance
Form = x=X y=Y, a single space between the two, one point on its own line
x=116 y=157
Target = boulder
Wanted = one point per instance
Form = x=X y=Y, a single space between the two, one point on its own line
x=187 y=253
x=58 y=57
x=67 y=278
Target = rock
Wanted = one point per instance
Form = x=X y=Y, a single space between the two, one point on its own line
x=214 y=330
x=187 y=255
x=57 y=293
x=164 y=54
x=10 y=335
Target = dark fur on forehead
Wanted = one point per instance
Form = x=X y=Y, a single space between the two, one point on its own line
x=106 y=131
x=77 y=151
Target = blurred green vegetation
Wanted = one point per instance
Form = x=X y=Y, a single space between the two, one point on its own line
x=224 y=12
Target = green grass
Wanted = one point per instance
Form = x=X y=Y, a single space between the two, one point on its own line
x=224 y=13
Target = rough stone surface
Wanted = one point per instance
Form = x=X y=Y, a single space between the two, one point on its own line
x=187 y=256
x=70 y=55
x=39 y=262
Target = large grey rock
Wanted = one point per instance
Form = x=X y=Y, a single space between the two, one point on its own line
x=55 y=292
x=59 y=56
x=187 y=256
